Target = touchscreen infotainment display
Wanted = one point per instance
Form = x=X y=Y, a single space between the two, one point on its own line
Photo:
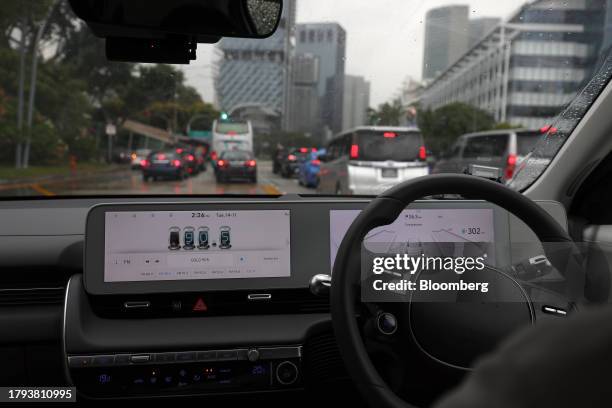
x=184 y=245
x=419 y=225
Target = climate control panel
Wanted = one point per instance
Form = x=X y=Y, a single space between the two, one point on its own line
x=186 y=372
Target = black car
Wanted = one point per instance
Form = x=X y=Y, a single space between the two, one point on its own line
x=236 y=164
x=277 y=159
x=190 y=157
x=164 y=164
x=291 y=161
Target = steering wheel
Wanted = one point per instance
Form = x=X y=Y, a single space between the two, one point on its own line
x=383 y=210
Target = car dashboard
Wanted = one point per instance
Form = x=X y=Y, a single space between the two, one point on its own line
x=140 y=297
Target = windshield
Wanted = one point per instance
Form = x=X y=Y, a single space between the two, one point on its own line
x=389 y=145
x=228 y=128
x=236 y=155
x=404 y=81
x=526 y=142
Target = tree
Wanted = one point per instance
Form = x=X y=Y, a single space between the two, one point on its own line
x=442 y=126
x=387 y=114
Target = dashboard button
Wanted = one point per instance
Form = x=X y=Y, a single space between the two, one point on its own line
x=227 y=355
x=103 y=361
x=137 y=305
x=252 y=355
x=286 y=373
x=277 y=353
x=165 y=357
x=207 y=355
x=140 y=358
x=122 y=359
x=79 y=361
x=186 y=356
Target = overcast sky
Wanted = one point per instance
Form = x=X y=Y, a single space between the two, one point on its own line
x=384 y=38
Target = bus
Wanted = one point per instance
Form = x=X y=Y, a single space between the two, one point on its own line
x=231 y=135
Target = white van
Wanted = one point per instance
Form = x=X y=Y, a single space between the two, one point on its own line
x=231 y=135
x=368 y=160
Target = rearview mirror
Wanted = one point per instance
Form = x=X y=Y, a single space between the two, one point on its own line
x=146 y=31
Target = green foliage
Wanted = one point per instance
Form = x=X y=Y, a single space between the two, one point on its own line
x=387 y=114
x=506 y=125
x=77 y=90
x=442 y=126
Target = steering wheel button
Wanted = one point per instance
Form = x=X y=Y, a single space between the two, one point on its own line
x=386 y=323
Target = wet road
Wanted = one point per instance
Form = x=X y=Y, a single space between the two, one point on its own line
x=130 y=182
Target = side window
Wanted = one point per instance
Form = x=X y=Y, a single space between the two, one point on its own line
x=453 y=151
x=486 y=146
x=456 y=150
x=332 y=150
x=346 y=144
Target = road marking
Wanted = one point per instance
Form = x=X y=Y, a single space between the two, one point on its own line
x=271 y=189
x=39 y=189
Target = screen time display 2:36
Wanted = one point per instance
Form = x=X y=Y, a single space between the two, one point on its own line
x=183 y=245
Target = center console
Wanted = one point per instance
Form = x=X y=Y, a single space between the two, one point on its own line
x=206 y=298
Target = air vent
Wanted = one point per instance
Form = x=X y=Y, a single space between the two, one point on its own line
x=31 y=296
x=322 y=360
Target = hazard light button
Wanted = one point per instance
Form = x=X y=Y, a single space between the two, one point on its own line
x=199 y=305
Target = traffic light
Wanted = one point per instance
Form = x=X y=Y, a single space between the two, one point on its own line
x=224 y=116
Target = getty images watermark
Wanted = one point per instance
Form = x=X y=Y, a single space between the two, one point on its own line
x=401 y=265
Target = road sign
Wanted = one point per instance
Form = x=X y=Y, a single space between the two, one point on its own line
x=111 y=130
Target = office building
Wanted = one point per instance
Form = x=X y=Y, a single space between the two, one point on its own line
x=529 y=67
x=479 y=27
x=327 y=41
x=446 y=38
x=304 y=111
x=356 y=101
x=256 y=72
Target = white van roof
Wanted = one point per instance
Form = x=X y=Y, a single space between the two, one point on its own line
x=385 y=129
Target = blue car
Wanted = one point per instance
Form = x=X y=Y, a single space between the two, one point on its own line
x=309 y=169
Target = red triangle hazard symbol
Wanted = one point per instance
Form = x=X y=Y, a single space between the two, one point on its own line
x=200 y=306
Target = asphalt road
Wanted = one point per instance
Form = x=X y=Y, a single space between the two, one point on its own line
x=129 y=182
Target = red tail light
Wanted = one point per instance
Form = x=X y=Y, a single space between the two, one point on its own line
x=190 y=157
x=422 y=153
x=179 y=150
x=291 y=157
x=354 y=151
x=303 y=150
x=213 y=155
x=315 y=162
x=161 y=156
x=176 y=163
x=144 y=163
x=314 y=150
x=221 y=163
x=389 y=135
x=251 y=163
x=510 y=166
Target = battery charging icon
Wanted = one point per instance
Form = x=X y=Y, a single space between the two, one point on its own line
x=189 y=238
x=203 y=238
x=225 y=241
x=174 y=241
